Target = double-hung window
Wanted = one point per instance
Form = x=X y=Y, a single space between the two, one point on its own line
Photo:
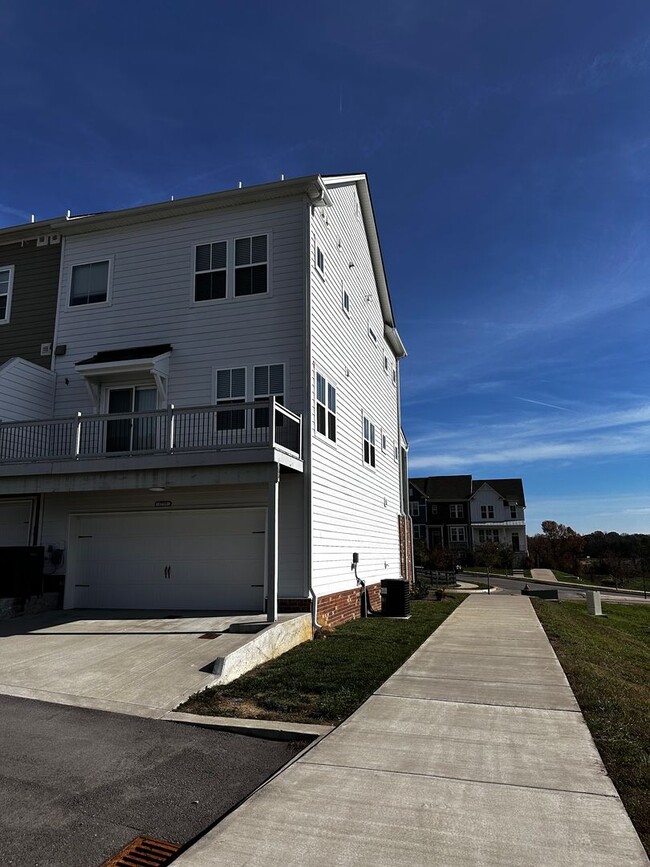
x=6 y=285
x=457 y=534
x=89 y=283
x=415 y=509
x=368 y=442
x=231 y=389
x=320 y=260
x=487 y=512
x=268 y=380
x=251 y=266
x=513 y=513
x=456 y=510
x=211 y=271
x=325 y=408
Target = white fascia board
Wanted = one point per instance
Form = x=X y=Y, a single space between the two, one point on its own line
x=159 y=363
x=310 y=185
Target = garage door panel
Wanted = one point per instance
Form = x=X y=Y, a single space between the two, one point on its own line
x=209 y=559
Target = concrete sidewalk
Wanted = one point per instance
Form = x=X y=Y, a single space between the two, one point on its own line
x=473 y=753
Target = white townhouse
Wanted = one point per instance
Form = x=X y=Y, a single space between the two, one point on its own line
x=220 y=425
x=497 y=514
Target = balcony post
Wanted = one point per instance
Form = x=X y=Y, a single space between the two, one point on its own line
x=77 y=439
x=171 y=419
x=272 y=519
x=272 y=421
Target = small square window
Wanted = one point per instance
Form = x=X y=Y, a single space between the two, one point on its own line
x=89 y=283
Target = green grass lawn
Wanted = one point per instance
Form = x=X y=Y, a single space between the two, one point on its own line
x=324 y=680
x=607 y=663
x=635 y=583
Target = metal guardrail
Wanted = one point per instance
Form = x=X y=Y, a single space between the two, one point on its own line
x=182 y=429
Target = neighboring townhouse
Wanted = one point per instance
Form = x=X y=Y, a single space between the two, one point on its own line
x=445 y=511
x=497 y=514
x=30 y=258
x=461 y=514
x=224 y=405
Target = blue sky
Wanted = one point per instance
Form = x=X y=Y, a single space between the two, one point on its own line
x=508 y=150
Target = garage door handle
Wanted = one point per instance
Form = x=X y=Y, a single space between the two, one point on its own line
x=168 y=571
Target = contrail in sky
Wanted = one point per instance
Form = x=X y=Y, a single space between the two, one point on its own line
x=541 y=403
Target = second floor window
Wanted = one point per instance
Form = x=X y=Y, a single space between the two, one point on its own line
x=325 y=408
x=487 y=512
x=251 y=266
x=456 y=510
x=268 y=380
x=6 y=282
x=89 y=283
x=368 y=442
x=513 y=512
x=231 y=389
x=415 y=509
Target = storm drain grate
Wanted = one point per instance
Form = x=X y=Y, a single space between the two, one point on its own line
x=144 y=852
x=209 y=635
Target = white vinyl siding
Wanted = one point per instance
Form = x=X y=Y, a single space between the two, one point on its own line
x=152 y=290
x=339 y=477
x=26 y=391
x=6 y=285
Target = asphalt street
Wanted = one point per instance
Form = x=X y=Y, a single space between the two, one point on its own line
x=77 y=785
x=565 y=591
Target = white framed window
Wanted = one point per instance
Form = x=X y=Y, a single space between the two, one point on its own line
x=6 y=287
x=513 y=513
x=488 y=536
x=368 y=442
x=268 y=379
x=386 y=365
x=251 y=266
x=487 y=512
x=394 y=375
x=371 y=334
x=415 y=509
x=395 y=453
x=457 y=534
x=433 y=508
x=231 y=389
x=383 y=442
x=320 y=260
x=456 y=510
x=345 y=301
x=211 y=271
x=325 y=408
x=89 y=283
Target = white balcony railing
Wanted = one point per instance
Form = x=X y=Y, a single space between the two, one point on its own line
x=186 y=429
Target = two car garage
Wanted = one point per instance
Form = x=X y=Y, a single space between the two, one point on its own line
x=203 y=559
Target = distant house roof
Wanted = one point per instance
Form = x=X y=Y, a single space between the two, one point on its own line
x=445 y=487
x=511 y=490
x=134 y=353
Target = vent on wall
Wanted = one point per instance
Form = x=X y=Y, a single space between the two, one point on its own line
x=42 y=240
x=46 y=349
x=55 y=239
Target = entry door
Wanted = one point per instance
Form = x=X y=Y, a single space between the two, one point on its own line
x=15 y=522
x=130 y=435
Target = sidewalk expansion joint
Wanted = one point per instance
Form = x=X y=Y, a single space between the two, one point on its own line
x=614 y=796
x=483 y=703
x=481 y=680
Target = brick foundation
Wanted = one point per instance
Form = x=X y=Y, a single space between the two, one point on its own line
x=10 y=608
x=405 y=526
x=338 y=608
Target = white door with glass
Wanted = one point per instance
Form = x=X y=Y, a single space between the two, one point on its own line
x=131 y=434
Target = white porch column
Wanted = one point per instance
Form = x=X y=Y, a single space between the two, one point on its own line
x=272 y=548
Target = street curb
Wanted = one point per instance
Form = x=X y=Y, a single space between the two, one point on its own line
x=566 y=585
x=272 y=729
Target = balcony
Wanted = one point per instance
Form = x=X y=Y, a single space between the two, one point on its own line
x=220 y=432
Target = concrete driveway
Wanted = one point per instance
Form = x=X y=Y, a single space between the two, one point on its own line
x=141 y=663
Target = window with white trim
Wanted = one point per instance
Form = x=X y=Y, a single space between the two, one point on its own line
x=383 y=442
x=386 y=365
x=487 y=512
x=325 y=408
x=345 y=301
x=89 y=283
x=420 y=531
x=456 y=510
x=457 y=534
x=368 y=442
x=433 y=508
x=513 y=512
x=211 y=271
x=395 y=453
x=268 y=379
x=320 y=260
x=231 y=389
x=394 y=375
x=415 y=509
x=6 y=286
x=251 y=266
x=371 y=334
x=488 y=536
